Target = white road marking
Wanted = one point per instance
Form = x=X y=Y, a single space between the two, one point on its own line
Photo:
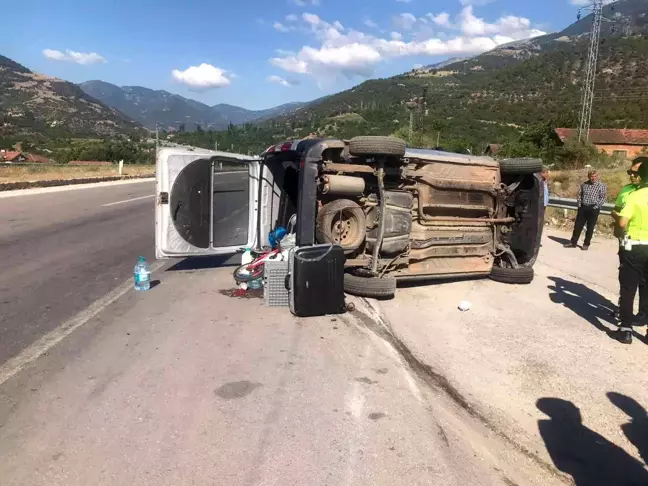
x=71 y=187
x=51 y=339
x=127 y=200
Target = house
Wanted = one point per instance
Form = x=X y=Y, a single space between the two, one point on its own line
x=618 y=142
x=12 y=156
x=38 y=159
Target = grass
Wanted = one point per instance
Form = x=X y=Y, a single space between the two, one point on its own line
x=61 y=172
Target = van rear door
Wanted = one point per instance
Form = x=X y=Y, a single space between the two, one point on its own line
x=206 y=202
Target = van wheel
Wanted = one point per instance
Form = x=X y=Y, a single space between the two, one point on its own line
x=372 y=287
x=342 y=222
x=517 y=276
x=521 y=166
x=369 y=145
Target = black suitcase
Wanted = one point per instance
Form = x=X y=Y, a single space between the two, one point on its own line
x=316 y=280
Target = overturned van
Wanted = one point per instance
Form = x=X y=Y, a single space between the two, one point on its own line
x=398 y=213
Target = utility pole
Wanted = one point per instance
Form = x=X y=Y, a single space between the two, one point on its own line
x=590 y=70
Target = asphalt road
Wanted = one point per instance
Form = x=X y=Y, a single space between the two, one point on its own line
x=185 y=385
x=61 y=251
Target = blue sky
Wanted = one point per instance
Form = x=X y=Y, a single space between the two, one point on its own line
x=258 y=54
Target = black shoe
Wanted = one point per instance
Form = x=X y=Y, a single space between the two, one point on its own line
x=570 y=245
x=624 y=337
x=585 y=247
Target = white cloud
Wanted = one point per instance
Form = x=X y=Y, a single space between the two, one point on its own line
x=291 y=18
x=311 y=19
x=282 y=81
x=403 y=1
x=510 y=25
x=418 y=66
x=350 y=53
x=584 y=3
x=442 y=19
x=73 y=56
x=477 y=3
x=370 y=23
x=281 y=27
x=203 y=77
x=405 y=20
x=304 y=3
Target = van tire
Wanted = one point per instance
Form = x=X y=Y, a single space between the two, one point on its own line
x=345 y=216
x=371 y=145
x=372 y=287
x=521 y=166
x=515 y=276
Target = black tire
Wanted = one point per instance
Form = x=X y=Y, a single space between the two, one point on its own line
x=367 y=146
x=372 y=287
x=516 y=276
x=341 y=222
x=520 y=166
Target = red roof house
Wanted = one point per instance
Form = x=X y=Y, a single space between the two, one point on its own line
x=627 y=143
x=7 y=156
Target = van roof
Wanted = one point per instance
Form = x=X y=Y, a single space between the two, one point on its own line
x=167 y=152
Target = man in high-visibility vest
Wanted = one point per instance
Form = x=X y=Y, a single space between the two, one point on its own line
x=619 y=204
x=633 y=222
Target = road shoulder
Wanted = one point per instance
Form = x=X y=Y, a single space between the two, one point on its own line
x=520 y=344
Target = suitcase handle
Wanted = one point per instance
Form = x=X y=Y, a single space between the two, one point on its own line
x=287 y=282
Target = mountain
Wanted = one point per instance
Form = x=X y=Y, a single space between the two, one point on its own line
x=495 y=95
x=32 y=102
x=440 y=65
x=238 y=115
x=148 y=106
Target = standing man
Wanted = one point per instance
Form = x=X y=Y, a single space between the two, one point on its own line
x=592 y=195
x=619 y=204
x=633 y=222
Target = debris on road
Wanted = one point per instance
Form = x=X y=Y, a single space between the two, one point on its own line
x=464 y=306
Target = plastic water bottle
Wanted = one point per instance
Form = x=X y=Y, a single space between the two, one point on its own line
x=142 y=275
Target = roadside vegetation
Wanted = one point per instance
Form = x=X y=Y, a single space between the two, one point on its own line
x=29 y=173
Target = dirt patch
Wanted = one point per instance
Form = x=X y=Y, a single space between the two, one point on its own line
x=49 y=172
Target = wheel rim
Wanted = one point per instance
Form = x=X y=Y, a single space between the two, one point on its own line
x=344 y=228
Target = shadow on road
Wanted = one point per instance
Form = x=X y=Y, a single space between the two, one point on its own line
x=587 y=456
x=637 y=429
x=558 y=239
x=584 y=302
x=205 y=262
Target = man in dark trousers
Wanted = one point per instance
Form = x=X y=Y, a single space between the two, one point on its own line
x=619 y=204
x=633 y=222
x=592 y=195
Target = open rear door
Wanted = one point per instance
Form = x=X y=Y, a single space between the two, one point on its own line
x=205 y=202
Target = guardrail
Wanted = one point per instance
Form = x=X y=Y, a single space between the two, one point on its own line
x=572 y=204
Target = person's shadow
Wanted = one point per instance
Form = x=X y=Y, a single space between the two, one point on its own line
x=585 y=302
x=587 y=456
x=637 y=429
x=558 y=239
